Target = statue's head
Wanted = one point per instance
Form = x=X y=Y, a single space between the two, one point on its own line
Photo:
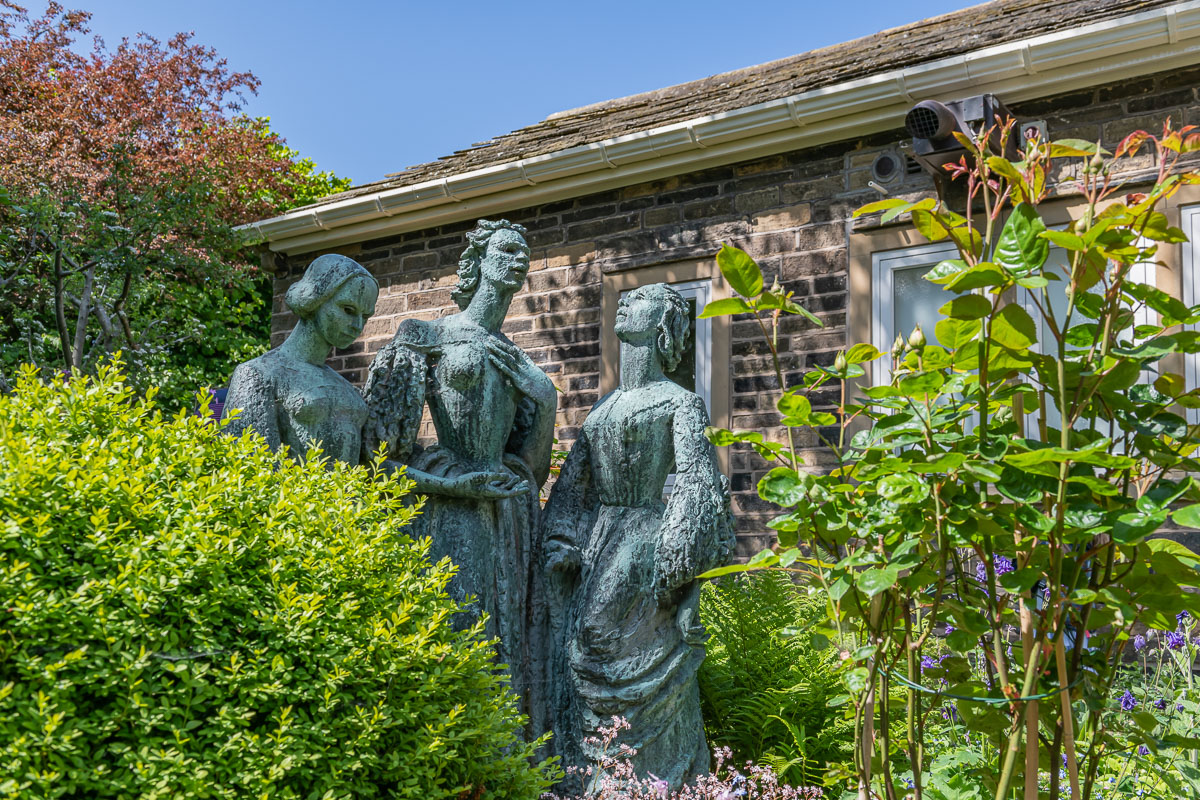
x=496 y=253
x=659 y=314
x=338 y=295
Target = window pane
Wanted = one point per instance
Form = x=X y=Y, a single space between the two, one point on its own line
x=1058 y=262
x=685 y=373
x=915 y=300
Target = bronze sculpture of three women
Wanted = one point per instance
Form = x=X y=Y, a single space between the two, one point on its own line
x=605 y=620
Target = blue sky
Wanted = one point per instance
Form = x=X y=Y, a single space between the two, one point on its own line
x=368 y=88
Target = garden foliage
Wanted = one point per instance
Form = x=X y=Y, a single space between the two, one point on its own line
x=123 y=172
x=184 y=613
x=764 y=690
x=994 y=503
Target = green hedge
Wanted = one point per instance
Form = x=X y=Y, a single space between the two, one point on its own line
x=184 y=615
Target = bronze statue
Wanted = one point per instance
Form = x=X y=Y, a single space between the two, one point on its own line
x=627 y=638
x=493 y=410
x=291 y=397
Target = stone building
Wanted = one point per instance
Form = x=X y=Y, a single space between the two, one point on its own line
x=772 y=158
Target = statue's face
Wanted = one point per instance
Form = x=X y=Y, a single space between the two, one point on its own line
x=506 y=262
x=341 y=318
x=638 y=316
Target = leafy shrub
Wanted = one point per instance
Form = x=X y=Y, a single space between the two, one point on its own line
x=765 y=694
x=1004 y=487
x=184 y=614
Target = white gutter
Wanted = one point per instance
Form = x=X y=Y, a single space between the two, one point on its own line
x=1113 y=50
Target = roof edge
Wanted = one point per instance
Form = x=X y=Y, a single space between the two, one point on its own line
x=1137 y=44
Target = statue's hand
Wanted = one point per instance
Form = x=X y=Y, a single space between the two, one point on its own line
x=524 y=374
x=561 y=557
x=487 y=485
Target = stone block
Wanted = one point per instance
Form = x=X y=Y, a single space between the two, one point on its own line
x=567 y=256
x=703 y=209
x=419 y=261
x=1164 y=100
x=758 y=200
x=819 y=237
x=771 y=164
x=792 y=217
x=609 y=226
x=663 y=215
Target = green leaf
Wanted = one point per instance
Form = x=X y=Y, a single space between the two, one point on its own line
x=921 y=383
x=954 y=333
x=968 y=239
x=796 y=406
x=861 y=353
x=1074 y=147
x=928 y=225
x=725 y=307
x=903 y=488
x=856 y=680
x=783 y=486
x=877 y=579
x=945 y=271
x=962 y=641
x=1014 y=328
x=978 y=277
x=1067 y=241
x=1003 y=167
x=1020 y=247
x=1131 y=528
x=740 y=271
x=968 y=306
x=880 y=205
x=1188 y=516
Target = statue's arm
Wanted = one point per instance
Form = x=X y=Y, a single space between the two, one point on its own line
x=696 y=533
x=532 y=439
x=253 y=395
x=567 y=518
x=395 y=395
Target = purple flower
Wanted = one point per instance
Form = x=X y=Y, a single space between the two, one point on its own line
x=1176 y=641
x=1182 y=617
x=1160 y=704
x=1128 y=701
x=1139 y=642
x=1179 y=706
x=1000 y=564
x=1143 y=750
x=949 y=629
x=928 y=662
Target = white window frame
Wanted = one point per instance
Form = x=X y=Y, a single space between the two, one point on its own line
x=1189 y=254
x=884 y=264
x=1142 y=272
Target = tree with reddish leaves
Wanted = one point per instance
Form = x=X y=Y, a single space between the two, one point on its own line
x=123 y=172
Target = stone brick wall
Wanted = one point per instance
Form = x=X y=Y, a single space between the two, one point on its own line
x=791 y=212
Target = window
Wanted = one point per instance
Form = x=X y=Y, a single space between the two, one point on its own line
x=1059 y=262
x=1189 y=222
x=902 y=298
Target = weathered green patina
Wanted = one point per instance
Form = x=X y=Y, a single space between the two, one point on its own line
x=493 y=410
x=626 y=634
x=291 y=397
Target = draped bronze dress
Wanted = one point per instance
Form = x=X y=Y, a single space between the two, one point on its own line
x=626 y=628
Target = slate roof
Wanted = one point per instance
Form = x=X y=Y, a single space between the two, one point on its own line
x=931 y=39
